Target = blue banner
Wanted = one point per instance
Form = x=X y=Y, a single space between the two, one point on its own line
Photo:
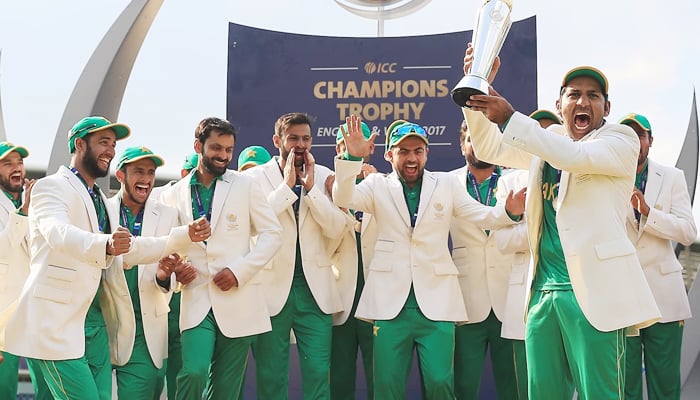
x=381 y=79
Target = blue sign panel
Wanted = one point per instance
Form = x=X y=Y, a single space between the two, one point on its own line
x=380 y=79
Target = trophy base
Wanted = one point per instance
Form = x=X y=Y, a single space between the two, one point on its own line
x=468 y=86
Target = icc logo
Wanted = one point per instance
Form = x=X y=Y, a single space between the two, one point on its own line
x=380 y=68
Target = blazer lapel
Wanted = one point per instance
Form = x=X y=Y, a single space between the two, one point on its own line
x=273 y=172
x=396 y=190
x=150 y=218
x=184 y=199
x=534 y=203
x=112 y=215
x=79 y=187
x=220 y=195
x=7 y=204
x=426 y=193
x=655 y=178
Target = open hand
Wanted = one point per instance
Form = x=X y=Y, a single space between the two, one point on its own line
x=355 y=142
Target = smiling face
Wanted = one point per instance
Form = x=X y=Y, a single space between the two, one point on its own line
x=216 y=153
x=12 y=173
x=137 y=179
x=582 y=106
x=408 y=159
x=97 y=152
x=296 y=138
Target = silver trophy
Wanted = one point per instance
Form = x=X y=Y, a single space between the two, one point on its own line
x=492 y=25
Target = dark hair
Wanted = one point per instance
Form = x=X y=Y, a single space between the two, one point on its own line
x=463 y=130
x=286 y=120
x=211 y=124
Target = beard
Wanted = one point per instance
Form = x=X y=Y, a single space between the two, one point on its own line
x=208 y=163
x=92 y=166
x=476 y=163
x=6 y=185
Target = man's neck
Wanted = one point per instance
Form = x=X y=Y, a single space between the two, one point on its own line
x=640 y=167
x=89 y=179
x=481 y=174
x=13 y=195
x=204 y=177
x=133 y=206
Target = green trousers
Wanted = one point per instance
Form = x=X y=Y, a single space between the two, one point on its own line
x=507 y=357
x=312 y=329
x=9 y=370
x=98 y=358
x=41 y=389
x=660 y=344
x=394 y=341
x=565 y=351
x=167 y=376
x=348 y=338
x=67 y=379
x=209 y=356
x=138 y=378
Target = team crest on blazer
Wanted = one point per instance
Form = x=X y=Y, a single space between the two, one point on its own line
x=232 y=221
x=438 y=210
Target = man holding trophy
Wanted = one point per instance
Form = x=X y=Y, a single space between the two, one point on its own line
x=583 y=174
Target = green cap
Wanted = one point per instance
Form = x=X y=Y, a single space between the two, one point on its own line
x=391 y=128
x=407 y=129
x=7 y=148
x=136 y=153
x=545 y=114
x=638 y=119
x=589 y=72
x=93 y=124
x=365 y=132
x=191 y=162
x=253 y=155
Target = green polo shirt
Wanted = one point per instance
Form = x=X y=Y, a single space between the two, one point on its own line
x=483 y=188
x=94 y=316
x=206 y=194
x=412 y=197
x=132 y=275
x=551 y=273
x=638 y=178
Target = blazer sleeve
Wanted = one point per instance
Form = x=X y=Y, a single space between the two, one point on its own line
x=329 y=217
x=148 y=250
x=471 y=211
x=269 y=237
x=613 y=151
x=346 y=193
x=489 y=145
x=678 y=224
x=50 y=211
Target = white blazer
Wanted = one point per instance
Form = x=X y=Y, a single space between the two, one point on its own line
x=239 y=212
x=512 y=240
x=594 y=198
x=345 y=263
x=14 y=259
x=319 y=222
x=670 y=220
x=406 y=256
x=483 y=269
x=68 y=258
x=158 y=239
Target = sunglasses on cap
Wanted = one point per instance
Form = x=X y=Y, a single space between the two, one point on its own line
x=405 y=129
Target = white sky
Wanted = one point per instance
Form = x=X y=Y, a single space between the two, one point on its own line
x=649 y=50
